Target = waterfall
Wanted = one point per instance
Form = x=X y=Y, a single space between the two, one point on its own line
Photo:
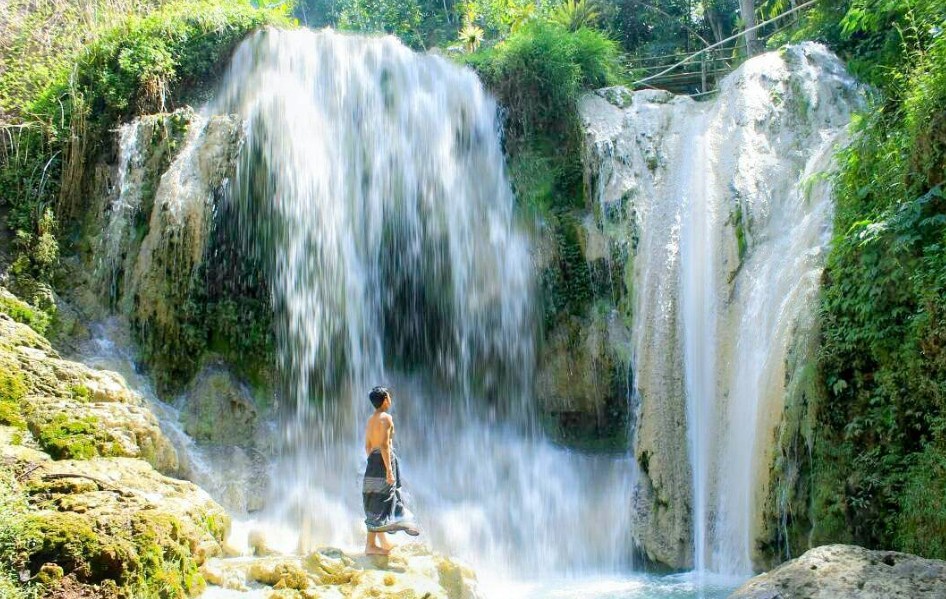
x=733 y=212
x=371 y=185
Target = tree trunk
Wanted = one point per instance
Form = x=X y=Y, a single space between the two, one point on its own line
x=747 y=8
x=712 y=17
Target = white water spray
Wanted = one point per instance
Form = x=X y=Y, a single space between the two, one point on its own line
x=372 y=186
x=732 y=220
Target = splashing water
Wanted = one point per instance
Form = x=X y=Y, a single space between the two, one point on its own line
x=733 y=212
x=372 y=187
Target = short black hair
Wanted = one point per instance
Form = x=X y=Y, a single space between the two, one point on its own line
x=378 y=395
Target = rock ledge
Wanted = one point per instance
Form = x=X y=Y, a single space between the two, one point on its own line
x=848 y=572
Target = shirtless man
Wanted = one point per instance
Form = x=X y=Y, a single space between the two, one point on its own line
x=381 y=493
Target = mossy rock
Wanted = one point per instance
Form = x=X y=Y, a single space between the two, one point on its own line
x=148 y=556
x=13 y=387
x=65 y=437
x=72 y=541
x=24 y=313
x=219 y=409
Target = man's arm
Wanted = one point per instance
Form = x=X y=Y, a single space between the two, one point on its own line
x=388 y=424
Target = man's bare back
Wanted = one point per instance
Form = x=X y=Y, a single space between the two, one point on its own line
x=379 y=435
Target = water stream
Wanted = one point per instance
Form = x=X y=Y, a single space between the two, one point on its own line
x=734 y=212
x=370 y=185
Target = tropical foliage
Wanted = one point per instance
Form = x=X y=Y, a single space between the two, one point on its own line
x=880 y=468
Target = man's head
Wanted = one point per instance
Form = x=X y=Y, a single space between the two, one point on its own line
x=380 y=398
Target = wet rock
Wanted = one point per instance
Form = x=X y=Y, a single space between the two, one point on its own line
x=78 y=412
x=850 y=572
x=329 y=566
x=409 y=572
x=164 y=268
x=257 y=542
x=581 y=385
x=773 y=125
x=279 y=573
x=219 y=409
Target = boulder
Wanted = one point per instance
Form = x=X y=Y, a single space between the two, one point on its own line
x=849 y=572
x=107 y=520
x=78 y=456
x=218 y=409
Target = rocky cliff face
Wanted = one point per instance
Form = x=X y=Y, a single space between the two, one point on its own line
x=155 y=238
x=85 y=506
x=722 y=209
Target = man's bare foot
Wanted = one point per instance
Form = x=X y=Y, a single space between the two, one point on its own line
x=376 y=551
x=385 y=543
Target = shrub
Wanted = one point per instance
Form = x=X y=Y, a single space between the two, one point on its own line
x=539 y=72
x=883 y=356
x=538 y=75
x=24 y=313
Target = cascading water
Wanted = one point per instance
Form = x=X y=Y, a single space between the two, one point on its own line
x=370 y=184
x=733 y=214
x=372 y=187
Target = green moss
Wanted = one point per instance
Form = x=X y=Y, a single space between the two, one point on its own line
x=567 y=284
x=13 y=506
x=64 y=437
x=71 y=541
x=217 y=526
x=165 y=566
x=13 y=387
x=80 y=393
x=742 y=245
x=23 y=313
x=146 y=555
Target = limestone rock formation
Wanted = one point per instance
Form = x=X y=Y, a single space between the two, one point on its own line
x=409 y=572
x=581 y=384
x=850 y=572
x=79 y=491
x=723 y=211
x=219 y=409
x=107 y=521
x=74 y=411
x=154 y=230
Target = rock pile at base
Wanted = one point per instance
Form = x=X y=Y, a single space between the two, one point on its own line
x=409 y=572
x=850 y=572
